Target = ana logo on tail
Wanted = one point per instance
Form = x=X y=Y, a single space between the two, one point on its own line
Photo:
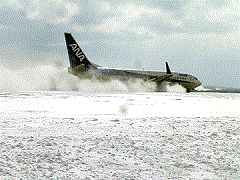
x=78 y=51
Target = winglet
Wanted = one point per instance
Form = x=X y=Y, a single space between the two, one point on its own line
x=168 y=69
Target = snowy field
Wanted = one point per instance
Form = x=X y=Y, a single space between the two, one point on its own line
x=120 y=136
x=116 y=134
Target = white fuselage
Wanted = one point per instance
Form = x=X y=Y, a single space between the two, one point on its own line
x=105 y=74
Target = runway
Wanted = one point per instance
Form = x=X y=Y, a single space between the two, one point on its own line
x=79 y=135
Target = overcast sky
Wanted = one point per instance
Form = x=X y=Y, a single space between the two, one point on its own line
x=198 y=37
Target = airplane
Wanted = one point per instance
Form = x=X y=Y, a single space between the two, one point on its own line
x=80 y=66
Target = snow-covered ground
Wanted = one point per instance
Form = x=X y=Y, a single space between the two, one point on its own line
x=78 y=135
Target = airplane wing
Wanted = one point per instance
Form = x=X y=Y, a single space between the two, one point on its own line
x=146 y=75
x=159 y=79
x=149 y=77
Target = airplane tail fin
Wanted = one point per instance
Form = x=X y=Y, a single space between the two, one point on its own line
x=76 y=55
